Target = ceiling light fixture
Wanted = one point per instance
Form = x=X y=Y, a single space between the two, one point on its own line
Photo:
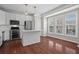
x=35 y=10
x=26 y=13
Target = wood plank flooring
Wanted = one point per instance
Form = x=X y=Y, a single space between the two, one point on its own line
x=47 y=45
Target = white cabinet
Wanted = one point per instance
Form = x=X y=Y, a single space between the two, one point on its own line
x=7 y=37
x=18 y=17
x=35 y=37
x=8 y=18
x=22 y=19
x=12 y=16
x=2 y=17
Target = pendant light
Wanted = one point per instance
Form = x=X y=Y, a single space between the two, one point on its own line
x=35 y=11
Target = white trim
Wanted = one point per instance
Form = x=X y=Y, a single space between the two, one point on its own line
x=65 y=10
x=63 y=39
x=73 y=36
x=76 y=33
x=14 y=25
x=77 y=24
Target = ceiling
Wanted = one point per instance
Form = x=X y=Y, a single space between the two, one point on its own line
x=21 y=8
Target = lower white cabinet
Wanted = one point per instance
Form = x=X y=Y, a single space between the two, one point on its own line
x=30 y=37
x=6 y=32
x=4 y=36
x=7 y=35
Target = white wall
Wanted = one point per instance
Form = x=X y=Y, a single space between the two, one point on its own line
x=37 y=22
x=44 y=27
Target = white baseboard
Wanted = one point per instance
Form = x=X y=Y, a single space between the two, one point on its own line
x=64 y=39
x=44 y=35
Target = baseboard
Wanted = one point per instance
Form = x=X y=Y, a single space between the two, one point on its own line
x=63 y=39
x=26 y=45
x=43 y=36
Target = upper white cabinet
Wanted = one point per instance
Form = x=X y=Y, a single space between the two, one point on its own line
x=8 y=18
x=22 y=19
x=12 y=16
x=2 y=17
x=19 y=17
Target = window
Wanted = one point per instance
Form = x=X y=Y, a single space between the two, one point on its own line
x=70 y=29
x=63 y=24
x=70 y=19
x=59 y=24
x=51 y=24
x=51 y=28
x=59 y=29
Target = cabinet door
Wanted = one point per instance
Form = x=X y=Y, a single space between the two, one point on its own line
x=12 y=16
x=7 y=35
x=2 y=17
x=8 y=18
x=22 y=19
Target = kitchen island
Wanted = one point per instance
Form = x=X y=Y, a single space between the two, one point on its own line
x=30 y=37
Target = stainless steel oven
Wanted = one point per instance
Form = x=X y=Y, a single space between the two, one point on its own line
x=14 y=31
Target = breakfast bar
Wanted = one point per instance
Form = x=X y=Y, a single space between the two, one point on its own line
x=30 y=37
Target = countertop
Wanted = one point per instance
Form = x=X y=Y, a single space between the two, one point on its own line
x=30 y=30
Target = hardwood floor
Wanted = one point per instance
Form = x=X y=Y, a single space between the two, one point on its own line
x=48 y=45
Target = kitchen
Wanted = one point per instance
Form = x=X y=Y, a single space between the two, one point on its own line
x=13 y=25
x=39 y=28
